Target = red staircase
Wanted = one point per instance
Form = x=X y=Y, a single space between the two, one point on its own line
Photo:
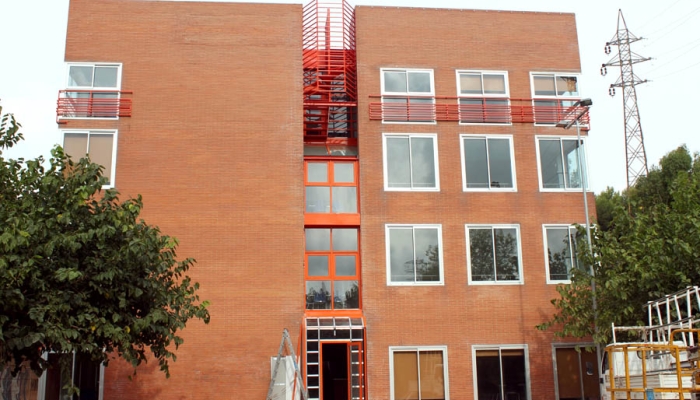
x=330 y=70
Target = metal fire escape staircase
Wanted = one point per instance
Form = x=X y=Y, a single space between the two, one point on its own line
x=330 y=71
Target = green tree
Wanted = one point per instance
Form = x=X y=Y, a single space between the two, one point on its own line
x=79 y=272
x=647 y=245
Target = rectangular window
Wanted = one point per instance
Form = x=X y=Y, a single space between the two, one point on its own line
x=94 y=76
x=483 y=97
x=93 y=90
x=411 y=163
x=84 y=373
x=552 y=95
x=493 y=254
x=501 y=372
x=332 y=268
x=331 y=187
x=408 y=95
x=414 y=254
x=561 y=252
x=559 y=163
x=100 y=146
x=487 y=163
x=419 y=373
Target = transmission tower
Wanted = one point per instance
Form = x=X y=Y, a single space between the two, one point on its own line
x=625 y=58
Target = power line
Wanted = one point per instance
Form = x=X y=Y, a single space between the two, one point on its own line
x=675 y=72
x=659 y=14
x=682 y=47
x=672 y=60
x=683 y=20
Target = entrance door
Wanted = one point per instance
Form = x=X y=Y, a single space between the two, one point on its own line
x=342 y=375
x=334 y=357
x=577 y=374
x=335 y=372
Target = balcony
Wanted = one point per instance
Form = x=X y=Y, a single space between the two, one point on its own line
x=470 y=110
x=93 y=104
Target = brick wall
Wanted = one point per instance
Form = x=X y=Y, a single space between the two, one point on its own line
x=457 y=314
x=215 y=148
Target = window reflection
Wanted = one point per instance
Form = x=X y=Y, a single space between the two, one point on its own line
x=331 y=187
x=318 y=295
x=332 y=271
x=346 y=294
x=414 y=254
x=559 y=163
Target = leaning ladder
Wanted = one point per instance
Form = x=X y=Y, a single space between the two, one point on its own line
x=286 y=349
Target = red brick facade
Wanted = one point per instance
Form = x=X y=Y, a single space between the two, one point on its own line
x=215 y=146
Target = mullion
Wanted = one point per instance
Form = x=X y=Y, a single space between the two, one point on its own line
x=564 y=171
x=488 y=164
x=413 y=244
x=410 y=160
x=493 y=252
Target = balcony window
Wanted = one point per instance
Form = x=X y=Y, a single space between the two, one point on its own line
x=408 y=95
x=552 y=95
x=92 y=91
x=483 y=97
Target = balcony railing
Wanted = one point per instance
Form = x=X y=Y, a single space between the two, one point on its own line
x=470 y=110
x=93 y=104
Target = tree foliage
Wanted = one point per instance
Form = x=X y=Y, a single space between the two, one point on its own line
x=646 y=245
x=79 y=271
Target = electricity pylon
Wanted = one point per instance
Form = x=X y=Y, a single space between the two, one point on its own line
x=625 y=58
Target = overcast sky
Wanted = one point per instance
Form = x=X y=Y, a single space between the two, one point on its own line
x=32 y=70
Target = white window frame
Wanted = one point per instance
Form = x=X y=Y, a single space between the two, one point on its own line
x=445 y=369
x=389 y=282
x=483 y=95
x=546 y=251
x=521 y=279
x=408 y=93
x=116 y=88
x=512 y=163
x=89 y=132
x=524 y=347
x=93 y=65
x=586 y=178
x=41 y=392
x=555 y=96
x=385 y=162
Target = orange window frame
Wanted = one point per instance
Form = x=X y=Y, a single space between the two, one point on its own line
x=331 y=217
x=332 y=277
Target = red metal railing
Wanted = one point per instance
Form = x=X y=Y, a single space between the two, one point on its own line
x=93 y=104
x=468 y=110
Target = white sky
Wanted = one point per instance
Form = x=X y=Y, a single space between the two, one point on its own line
x=32 y=71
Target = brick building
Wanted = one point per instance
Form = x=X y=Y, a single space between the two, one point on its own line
x=386 y=183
